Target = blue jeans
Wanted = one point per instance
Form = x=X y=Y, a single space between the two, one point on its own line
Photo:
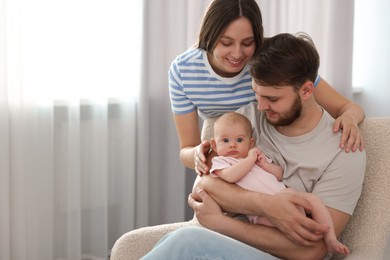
x=197 y=243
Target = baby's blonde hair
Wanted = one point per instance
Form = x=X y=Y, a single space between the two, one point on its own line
x=234 y=118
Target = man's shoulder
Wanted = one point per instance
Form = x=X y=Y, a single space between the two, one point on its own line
x=250 y=110
x=325 y=127
x=259 y=124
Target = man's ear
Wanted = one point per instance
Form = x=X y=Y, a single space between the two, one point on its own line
x=307 y=89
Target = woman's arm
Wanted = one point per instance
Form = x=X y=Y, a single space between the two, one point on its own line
x=187 y=128
x=192 y=151
x=348 y=115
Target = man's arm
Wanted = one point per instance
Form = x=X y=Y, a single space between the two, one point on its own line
x=266 y=239
x=280 y=209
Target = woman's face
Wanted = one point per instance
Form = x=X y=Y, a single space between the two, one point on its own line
x=234 y=49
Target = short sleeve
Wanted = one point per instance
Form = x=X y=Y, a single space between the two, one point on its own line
x=180 y=103
x=341 y=184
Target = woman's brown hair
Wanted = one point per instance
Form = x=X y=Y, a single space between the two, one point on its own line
x=221 y=13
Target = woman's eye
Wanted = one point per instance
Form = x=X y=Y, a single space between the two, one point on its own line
x=227 y=44
x=247 y=44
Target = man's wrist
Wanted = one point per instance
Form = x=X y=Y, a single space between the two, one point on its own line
x=258 y=202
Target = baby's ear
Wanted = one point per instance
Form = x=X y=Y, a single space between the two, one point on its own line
x=253 y=142
x=213 y=144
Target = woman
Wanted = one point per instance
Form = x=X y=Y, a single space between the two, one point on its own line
x=214 y=78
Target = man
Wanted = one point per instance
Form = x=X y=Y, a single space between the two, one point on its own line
x=296 y=133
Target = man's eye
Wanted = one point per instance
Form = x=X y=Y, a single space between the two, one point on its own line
x=225 y=140
x=240 y=140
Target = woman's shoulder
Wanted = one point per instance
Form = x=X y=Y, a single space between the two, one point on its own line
x=191 y=55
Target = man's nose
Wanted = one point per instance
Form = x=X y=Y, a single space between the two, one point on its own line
x=262 y=104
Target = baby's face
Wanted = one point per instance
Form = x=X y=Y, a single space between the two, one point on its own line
x=232 y=140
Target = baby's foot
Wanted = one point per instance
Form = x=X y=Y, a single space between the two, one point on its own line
x=337 y=247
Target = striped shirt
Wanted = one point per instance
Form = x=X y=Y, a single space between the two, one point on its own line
x=193 y=85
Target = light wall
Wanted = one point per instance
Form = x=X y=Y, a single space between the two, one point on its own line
x=371 y=69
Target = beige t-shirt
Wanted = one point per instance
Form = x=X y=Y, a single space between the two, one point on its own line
x=313 y=162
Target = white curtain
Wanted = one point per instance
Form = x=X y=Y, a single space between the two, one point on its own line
x=70 y=74
x=160 y=196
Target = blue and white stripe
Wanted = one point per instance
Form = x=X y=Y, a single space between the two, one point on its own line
x=194 y=85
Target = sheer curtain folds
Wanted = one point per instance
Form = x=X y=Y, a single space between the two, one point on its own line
x=70 y=73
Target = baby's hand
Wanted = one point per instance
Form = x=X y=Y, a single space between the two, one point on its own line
x=260 y=158
x=253 y=153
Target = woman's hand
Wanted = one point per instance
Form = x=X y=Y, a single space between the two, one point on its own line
x=200 y=156
x=351 y=138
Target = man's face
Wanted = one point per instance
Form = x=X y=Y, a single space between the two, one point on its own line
x=282 y=105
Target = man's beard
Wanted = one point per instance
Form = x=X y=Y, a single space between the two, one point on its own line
x=290 y=117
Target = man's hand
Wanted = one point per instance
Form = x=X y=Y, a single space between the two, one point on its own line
x=282 y=211
x=207 y=210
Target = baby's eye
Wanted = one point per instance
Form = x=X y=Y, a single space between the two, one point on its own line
x=240 y=140
x=225 y=140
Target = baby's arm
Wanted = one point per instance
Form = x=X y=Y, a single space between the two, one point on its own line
x=272 y=168
x=235 y=172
